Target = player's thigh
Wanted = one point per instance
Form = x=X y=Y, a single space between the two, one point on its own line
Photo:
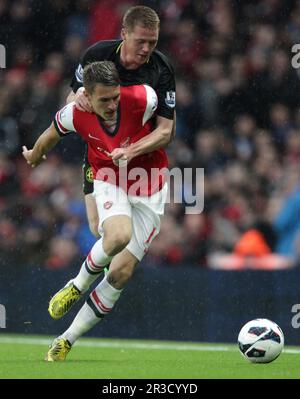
x=146 y=214
x=92 y=213
x=117 y=228
x=113 y=207
x=145 y=227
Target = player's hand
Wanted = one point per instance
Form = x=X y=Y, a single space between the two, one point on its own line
x=120 y=156
x=27 y=154
x=81 y=101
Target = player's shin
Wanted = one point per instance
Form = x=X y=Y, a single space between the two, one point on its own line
x=93 y=265
x=83 y=322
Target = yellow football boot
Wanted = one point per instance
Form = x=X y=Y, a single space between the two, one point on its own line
x=63 y=300
x=58 y=350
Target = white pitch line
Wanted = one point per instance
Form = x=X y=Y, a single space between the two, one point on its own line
x=118 y=345
x=131 y=345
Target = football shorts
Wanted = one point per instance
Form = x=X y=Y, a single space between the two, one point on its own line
x=145 y=213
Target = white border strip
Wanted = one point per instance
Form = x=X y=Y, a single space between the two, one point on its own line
x=131 y=345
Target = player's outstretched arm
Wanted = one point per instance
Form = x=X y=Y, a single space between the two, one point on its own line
x=47 y=140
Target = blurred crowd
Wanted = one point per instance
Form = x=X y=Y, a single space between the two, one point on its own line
x=238 y=117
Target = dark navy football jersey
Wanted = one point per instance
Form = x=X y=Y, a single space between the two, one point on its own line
x=157 y=72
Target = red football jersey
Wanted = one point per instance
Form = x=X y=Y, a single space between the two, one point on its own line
x=137 y=106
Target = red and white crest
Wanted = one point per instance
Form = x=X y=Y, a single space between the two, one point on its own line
x=107 y=204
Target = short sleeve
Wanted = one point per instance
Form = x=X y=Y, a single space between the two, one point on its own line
x=166 y=92
x=151 y=105
x=64 y=119
x=78 y=75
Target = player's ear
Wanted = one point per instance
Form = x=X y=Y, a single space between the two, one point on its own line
x=123 y=33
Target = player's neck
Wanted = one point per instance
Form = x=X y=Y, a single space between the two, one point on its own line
x=126 y=60
x=110 y=124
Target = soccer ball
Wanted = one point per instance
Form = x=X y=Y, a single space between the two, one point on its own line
x=261 y=341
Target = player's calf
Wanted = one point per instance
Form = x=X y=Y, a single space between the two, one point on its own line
x=121 y=269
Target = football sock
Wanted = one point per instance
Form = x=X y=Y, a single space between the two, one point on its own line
x=99 y=303
x=94 y=264
x=103 y=298
x=83 y=322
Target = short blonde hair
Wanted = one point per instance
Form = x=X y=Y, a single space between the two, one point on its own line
x=140 y=15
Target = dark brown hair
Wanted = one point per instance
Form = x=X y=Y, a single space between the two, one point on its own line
x=103 y=72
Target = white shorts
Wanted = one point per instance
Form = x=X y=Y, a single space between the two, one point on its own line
x=145 y=213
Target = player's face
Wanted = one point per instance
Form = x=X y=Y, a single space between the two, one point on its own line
x=105 y=101
x=139 y=43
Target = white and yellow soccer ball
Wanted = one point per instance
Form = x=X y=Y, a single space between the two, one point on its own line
x=261 y=341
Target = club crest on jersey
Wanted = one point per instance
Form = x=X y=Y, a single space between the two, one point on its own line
x=107 y=204
x=170 y=99
x=89 y=175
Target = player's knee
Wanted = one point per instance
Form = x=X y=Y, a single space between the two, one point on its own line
x=118 y=240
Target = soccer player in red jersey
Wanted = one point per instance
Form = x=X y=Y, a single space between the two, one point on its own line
x=138 y=62
x=118 y=138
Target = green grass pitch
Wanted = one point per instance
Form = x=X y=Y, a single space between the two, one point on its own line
x=22 y=357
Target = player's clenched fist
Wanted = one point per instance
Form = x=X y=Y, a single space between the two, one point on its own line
x=120 y=156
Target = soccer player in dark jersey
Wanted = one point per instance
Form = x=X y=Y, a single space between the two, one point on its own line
x=117 y=134
x=138 y=62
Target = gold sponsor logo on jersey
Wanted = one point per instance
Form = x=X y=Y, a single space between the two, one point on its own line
x=89 y=175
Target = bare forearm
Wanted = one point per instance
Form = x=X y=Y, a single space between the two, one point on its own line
x=159 y=138
x=44 y=143
x=155 y=140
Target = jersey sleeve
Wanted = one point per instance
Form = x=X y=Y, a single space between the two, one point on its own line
x=151 y=104
x=102 y=50
x=166 y=93
x=88 y=57
x=78 y=75
x=64 y=120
